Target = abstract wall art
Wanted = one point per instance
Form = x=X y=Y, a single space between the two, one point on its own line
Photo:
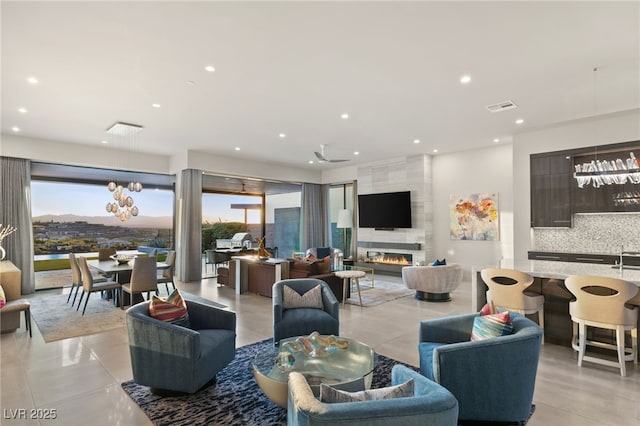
x=474 y=217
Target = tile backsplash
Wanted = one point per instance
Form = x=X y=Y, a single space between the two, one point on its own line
x=591 y=233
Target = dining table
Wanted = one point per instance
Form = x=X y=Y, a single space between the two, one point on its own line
x=121 y=272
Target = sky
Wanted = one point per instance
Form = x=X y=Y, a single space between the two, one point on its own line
x=90 y=200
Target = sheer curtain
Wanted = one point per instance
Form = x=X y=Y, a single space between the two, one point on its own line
x=15 y=210
x=189 y=214
x=315 y=216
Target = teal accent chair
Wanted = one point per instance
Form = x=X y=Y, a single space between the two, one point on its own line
x=304 y=321
x=173 y=359
x=493 y=379
x=431 y=405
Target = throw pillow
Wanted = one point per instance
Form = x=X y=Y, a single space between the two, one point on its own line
x=173 y=309
x=331 y=395
x=492 y=325
x=488 y=308
x=439 y=262
x=291 y=299
x=3 y=298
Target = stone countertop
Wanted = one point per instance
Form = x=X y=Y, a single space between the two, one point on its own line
x=554 y=269
x=561 y=270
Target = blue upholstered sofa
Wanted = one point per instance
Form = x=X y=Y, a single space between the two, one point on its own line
x=431 y=404
x=304 y=321
x=168 y=357
x=493 y=380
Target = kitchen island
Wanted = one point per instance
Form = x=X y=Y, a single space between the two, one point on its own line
x=549 y=279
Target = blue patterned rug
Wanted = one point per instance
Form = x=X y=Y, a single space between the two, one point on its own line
x=235 y=399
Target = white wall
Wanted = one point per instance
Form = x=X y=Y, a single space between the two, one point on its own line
x=469 y=172
x=603 y=130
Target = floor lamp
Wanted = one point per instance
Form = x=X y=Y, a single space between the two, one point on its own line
x=345 y=221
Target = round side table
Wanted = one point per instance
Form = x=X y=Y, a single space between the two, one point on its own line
x=349 y=277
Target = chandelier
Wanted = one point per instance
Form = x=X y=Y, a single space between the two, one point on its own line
x=606 y=172
x=123 y=207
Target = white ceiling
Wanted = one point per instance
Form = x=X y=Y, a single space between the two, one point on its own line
x=295 y=67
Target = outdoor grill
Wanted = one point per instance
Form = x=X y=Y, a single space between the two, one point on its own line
x=238 y=240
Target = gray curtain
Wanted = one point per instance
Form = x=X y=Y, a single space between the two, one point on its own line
x=354 y=231
x=189 y=206
x=315 y=220
x=15 y=210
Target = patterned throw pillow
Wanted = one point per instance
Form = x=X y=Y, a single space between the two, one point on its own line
x=439 y=262
x=173 y=309
x=3 y=298
x=291 y=299
x=488 y=308
x=492 y=325
x=331 y=395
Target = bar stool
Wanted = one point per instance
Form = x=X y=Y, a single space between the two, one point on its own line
x=507 y=291
x=600 y=302
x=349 y=277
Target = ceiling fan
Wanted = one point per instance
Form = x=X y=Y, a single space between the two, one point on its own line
x=323 y=159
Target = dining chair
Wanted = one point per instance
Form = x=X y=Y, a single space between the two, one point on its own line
x=76 y=278
x=507 y=291
x=600 y=302
x=144 y=279
x=90 y=286
x=166 y=275
x=106 y=253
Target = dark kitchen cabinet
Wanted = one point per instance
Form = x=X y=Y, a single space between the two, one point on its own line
x=551 y=179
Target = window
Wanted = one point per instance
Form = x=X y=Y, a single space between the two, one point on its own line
x=71 y=217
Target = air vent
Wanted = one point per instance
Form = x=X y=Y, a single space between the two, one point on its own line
x=502 y=106
x=124 y=129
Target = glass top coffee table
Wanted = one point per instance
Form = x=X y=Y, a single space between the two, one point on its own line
x=349 y=368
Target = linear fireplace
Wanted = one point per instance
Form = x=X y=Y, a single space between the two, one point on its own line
x=389 y=258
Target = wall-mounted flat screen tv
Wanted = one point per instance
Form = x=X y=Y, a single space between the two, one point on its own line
x=385 y=210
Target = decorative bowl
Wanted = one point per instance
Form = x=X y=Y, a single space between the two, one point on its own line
x=122 y=258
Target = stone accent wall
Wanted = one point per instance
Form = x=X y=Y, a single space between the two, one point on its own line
x=401 y=174
x=591 y=233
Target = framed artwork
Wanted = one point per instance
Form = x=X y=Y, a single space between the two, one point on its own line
x=474 y=217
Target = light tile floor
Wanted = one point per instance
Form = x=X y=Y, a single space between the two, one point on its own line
x=80 y=377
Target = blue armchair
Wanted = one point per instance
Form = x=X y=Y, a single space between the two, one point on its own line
x=431 y=405
x=493 y=380
x=170 y=358
x=304 y=321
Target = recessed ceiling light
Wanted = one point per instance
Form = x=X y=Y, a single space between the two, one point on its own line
x=209 y=68
x=237 y=148
x=105 y=142
x=519 y=121
x=345 y=116
x=416 y=141
x=465 y=79
x=15 y=128
x=32 y=80
x=356 y=152
x=310 y=161
x=282 y=136
x=155 y=105
x=22 y=110
x=435 y=150
x=496 y=140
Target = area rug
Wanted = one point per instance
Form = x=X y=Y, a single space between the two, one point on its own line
x=235 y=398
x=57 y=320
x=381 y=292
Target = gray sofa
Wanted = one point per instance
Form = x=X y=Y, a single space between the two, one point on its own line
x=170 y=358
